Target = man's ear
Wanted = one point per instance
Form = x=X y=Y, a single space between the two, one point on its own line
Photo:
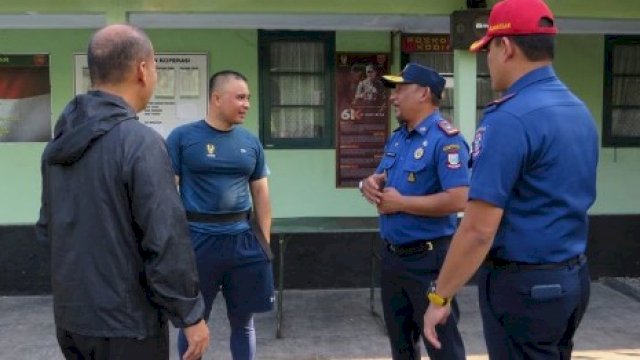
x=426 y=94
x=508 y=47
x=216 y=95
x=143 y=72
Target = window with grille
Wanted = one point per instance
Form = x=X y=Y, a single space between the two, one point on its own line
x=621 y=108
x=443 y=63
x=484 y=93
x=296 y=84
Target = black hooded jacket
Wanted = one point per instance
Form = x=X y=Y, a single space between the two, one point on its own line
x=122 y=262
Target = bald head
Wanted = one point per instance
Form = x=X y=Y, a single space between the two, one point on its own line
x=114 y=51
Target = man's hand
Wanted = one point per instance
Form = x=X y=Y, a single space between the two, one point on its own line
x=198 y=338
x=435 y=315
x=372 y=187
x=390 y=201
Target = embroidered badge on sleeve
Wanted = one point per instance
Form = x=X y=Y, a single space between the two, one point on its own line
x=476 y=146
x=453 y=155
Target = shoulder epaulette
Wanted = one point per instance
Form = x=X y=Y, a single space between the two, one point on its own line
x=501 y=100
x=447 y=127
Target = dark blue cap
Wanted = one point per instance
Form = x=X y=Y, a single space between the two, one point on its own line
x=418 y=74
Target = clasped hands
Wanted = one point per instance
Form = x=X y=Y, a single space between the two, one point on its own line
x=387 y=199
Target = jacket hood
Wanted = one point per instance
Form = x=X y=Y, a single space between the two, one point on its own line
x=84 y=120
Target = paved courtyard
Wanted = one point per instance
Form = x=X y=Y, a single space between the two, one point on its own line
x=335 y=324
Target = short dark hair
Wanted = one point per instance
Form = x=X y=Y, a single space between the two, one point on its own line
x=110 y=58
x=218 y=79
x=435 y=100
x=536 y=47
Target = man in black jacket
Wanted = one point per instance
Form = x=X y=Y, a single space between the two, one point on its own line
x=122 y=263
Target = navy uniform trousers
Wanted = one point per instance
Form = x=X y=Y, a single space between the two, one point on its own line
x=532 y=314
x=405 y=280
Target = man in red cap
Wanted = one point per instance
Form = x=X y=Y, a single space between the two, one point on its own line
x=533 y=180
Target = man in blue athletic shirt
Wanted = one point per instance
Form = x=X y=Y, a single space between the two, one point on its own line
x=533 y=180
x=221 y=172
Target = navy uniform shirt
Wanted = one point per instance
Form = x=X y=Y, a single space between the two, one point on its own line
x=431 y=158
x=215 y=168
x=535 y=155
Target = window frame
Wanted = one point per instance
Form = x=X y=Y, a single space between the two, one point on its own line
x=405 y=58
x=485 y=76
x=265 y=39
x=608 y=138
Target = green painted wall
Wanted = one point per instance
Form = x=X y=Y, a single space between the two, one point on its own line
x=576 y=8
x=279 y=6
x=302 y=181
x=579 y=63
x=20 y=162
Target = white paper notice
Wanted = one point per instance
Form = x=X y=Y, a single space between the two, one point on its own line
x=187 y=111
x=159 y=127
x=165 y=86
x=189 y=82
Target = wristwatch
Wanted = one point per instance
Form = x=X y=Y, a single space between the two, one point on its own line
x=435 y=298
x=360 y=185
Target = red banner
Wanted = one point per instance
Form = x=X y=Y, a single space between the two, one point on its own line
x=25 y=98
x=362 y=113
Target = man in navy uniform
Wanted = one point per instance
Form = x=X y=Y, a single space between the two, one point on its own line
x=419 y=186
x=534 y=163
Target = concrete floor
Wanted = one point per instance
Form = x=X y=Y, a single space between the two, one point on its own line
x=334 y=324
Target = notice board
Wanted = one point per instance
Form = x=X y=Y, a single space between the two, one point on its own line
x=181 y=91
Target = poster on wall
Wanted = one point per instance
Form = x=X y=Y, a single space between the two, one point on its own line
x=25 y=98
x=362 y=114
x=181 y=90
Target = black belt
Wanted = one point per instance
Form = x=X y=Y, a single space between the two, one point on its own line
x=502 y=264
x=217 y=218
x=417 y=247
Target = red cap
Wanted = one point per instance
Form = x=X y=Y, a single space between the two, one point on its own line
x=516 y=17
